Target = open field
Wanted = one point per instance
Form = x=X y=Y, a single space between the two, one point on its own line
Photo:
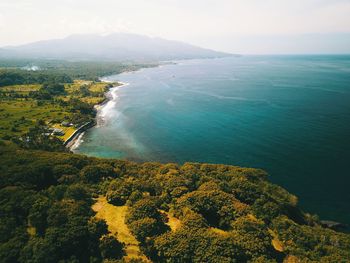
x=18 y=116
x=22 y=89
x=115 y=219
x=19 y=110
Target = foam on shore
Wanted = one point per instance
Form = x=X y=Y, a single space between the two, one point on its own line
x=103 y=110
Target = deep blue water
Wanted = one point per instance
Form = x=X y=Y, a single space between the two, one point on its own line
x=289 y=115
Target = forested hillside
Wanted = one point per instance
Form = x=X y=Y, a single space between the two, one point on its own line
x=111 y=47
x=21 y=71
x=178 y=213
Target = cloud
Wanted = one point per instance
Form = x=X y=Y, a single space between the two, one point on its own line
x=191 y=21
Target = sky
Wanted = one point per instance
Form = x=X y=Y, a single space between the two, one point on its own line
x=237 y=26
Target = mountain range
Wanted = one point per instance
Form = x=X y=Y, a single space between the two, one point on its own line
x=116 y=46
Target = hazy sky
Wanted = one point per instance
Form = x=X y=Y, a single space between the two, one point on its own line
x=241 y=26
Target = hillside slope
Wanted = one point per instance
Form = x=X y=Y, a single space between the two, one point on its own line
x=178 y=213
x=117 y=47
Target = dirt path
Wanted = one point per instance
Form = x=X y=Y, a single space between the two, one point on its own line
x=115 y=219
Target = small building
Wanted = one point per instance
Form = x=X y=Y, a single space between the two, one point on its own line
x=58 y=132
x=66 y=124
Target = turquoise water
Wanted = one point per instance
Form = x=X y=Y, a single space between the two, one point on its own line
x=289 y=115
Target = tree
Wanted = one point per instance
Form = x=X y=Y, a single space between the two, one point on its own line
x=77 y=192
x=80 y=106
x=94 y=173
x=118 y=192
x=143 y=208
x=147 y=227
x=253 y=237
x=135 y=196
x=111 y=248
x=10 y=250
x=217 y=207
x=64 y=169
x=197 y=245
x=38 y=214
x=97 y=227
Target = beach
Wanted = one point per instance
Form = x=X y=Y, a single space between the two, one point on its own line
x=111 y=97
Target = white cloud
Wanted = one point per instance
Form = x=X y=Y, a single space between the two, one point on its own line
x=188 y=20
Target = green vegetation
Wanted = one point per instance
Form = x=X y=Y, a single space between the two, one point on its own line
x=59 y=207
x=27 y=112
x=115 y=219
x=87 y=70
x=16 y=76
x=54 y=208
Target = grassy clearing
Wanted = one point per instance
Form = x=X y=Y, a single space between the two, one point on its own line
x=22 y=89
x=18 y=116
x=276 y=243
x=92 y=86
x=31 y=231
x=219 y=231
x=173 y=222
x=93 y=100
x=97 y=90
x=115 y=219
x=98 y=87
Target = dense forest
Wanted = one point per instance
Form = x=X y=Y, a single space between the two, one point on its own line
x=222 y=213
x=16 y=76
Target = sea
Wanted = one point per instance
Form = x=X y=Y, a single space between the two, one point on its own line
x=288 y=115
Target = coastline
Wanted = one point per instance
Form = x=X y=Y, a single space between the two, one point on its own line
x=69 y=143
x=76 y=138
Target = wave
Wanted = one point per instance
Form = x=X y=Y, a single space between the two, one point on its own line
x=77 y=142
x=104 y=113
